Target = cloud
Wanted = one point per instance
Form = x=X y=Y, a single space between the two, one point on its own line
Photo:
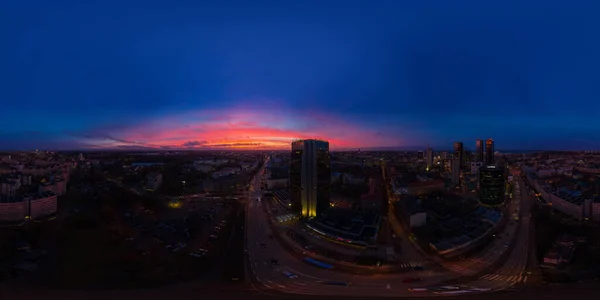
x=191 y=144
x=242 y=127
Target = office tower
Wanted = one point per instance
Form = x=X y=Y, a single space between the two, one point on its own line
x=467 y=159
x=479 y=150
x=458 y=153
x=429 y=159
x=310 y=177
x=491 y=185
x=489 y=152
x=455 y=171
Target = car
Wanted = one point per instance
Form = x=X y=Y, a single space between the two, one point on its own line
x=274 y=262
x=412 y=279
x=263 y=245
x=289 y=275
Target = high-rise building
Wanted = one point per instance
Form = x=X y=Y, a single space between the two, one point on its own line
x=479 y=150
x=310 y=177
x=455 y=171
x=489 y=152
x=459 y=153
x=467 y=159
x=429 y=159
x=420 y=154
x=491 y=185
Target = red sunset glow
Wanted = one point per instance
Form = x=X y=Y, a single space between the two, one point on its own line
x=241 y=129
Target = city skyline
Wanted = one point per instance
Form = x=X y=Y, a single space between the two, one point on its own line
x=238 y=76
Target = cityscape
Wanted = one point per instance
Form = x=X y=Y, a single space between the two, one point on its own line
x=299 y=149
x=306 y=221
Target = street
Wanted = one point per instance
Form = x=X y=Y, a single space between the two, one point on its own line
x=274 y=268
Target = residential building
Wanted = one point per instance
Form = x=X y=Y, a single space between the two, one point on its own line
x=154 y=181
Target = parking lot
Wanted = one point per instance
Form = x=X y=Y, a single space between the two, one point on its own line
x=111 y=238
x=187 y=234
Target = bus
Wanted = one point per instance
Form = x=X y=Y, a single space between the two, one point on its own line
x=318 y=263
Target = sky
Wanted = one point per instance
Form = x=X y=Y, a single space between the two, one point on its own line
x=146 y=74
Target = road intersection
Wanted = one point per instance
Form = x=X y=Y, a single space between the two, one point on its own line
x=274 y=268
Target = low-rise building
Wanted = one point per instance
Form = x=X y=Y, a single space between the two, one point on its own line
x=154 y=181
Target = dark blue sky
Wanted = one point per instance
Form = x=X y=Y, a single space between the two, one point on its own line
x=163 y=74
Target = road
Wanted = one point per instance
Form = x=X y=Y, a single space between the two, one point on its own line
x=271 y=283
x=315 y=281
x=513 y=270
x=195 y=290
x=312 y=280
x=470 y=266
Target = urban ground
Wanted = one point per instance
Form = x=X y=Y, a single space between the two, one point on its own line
x=107 y=237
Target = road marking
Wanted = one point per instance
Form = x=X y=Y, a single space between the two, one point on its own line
x=388 y=286
x=269 y=281
x=495 y=277
x=512 y=278
x=257 y=279
x=266 y=285
x=281 y=286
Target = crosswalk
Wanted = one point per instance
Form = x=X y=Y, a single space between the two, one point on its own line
x=506 y=278
x=412 y=264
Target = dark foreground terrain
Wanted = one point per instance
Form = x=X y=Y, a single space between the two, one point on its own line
x=195 y=290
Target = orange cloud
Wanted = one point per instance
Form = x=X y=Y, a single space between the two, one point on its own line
x=243 y=129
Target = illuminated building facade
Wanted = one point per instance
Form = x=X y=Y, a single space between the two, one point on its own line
x=429 y=159
x=479 y=150
x=310 y=177
x=491 y=185
x=489 y=152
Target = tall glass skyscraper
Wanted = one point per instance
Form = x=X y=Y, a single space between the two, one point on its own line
x=459 y=153
x=310 y=177
x=491 y=185
x=479 y=150
x=489 y=152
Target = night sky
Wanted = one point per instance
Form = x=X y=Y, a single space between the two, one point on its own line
x=258 y=74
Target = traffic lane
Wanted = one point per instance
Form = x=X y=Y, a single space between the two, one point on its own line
x=489 y=255
x=511 y=271
x=302 y=269
x=302 y=285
